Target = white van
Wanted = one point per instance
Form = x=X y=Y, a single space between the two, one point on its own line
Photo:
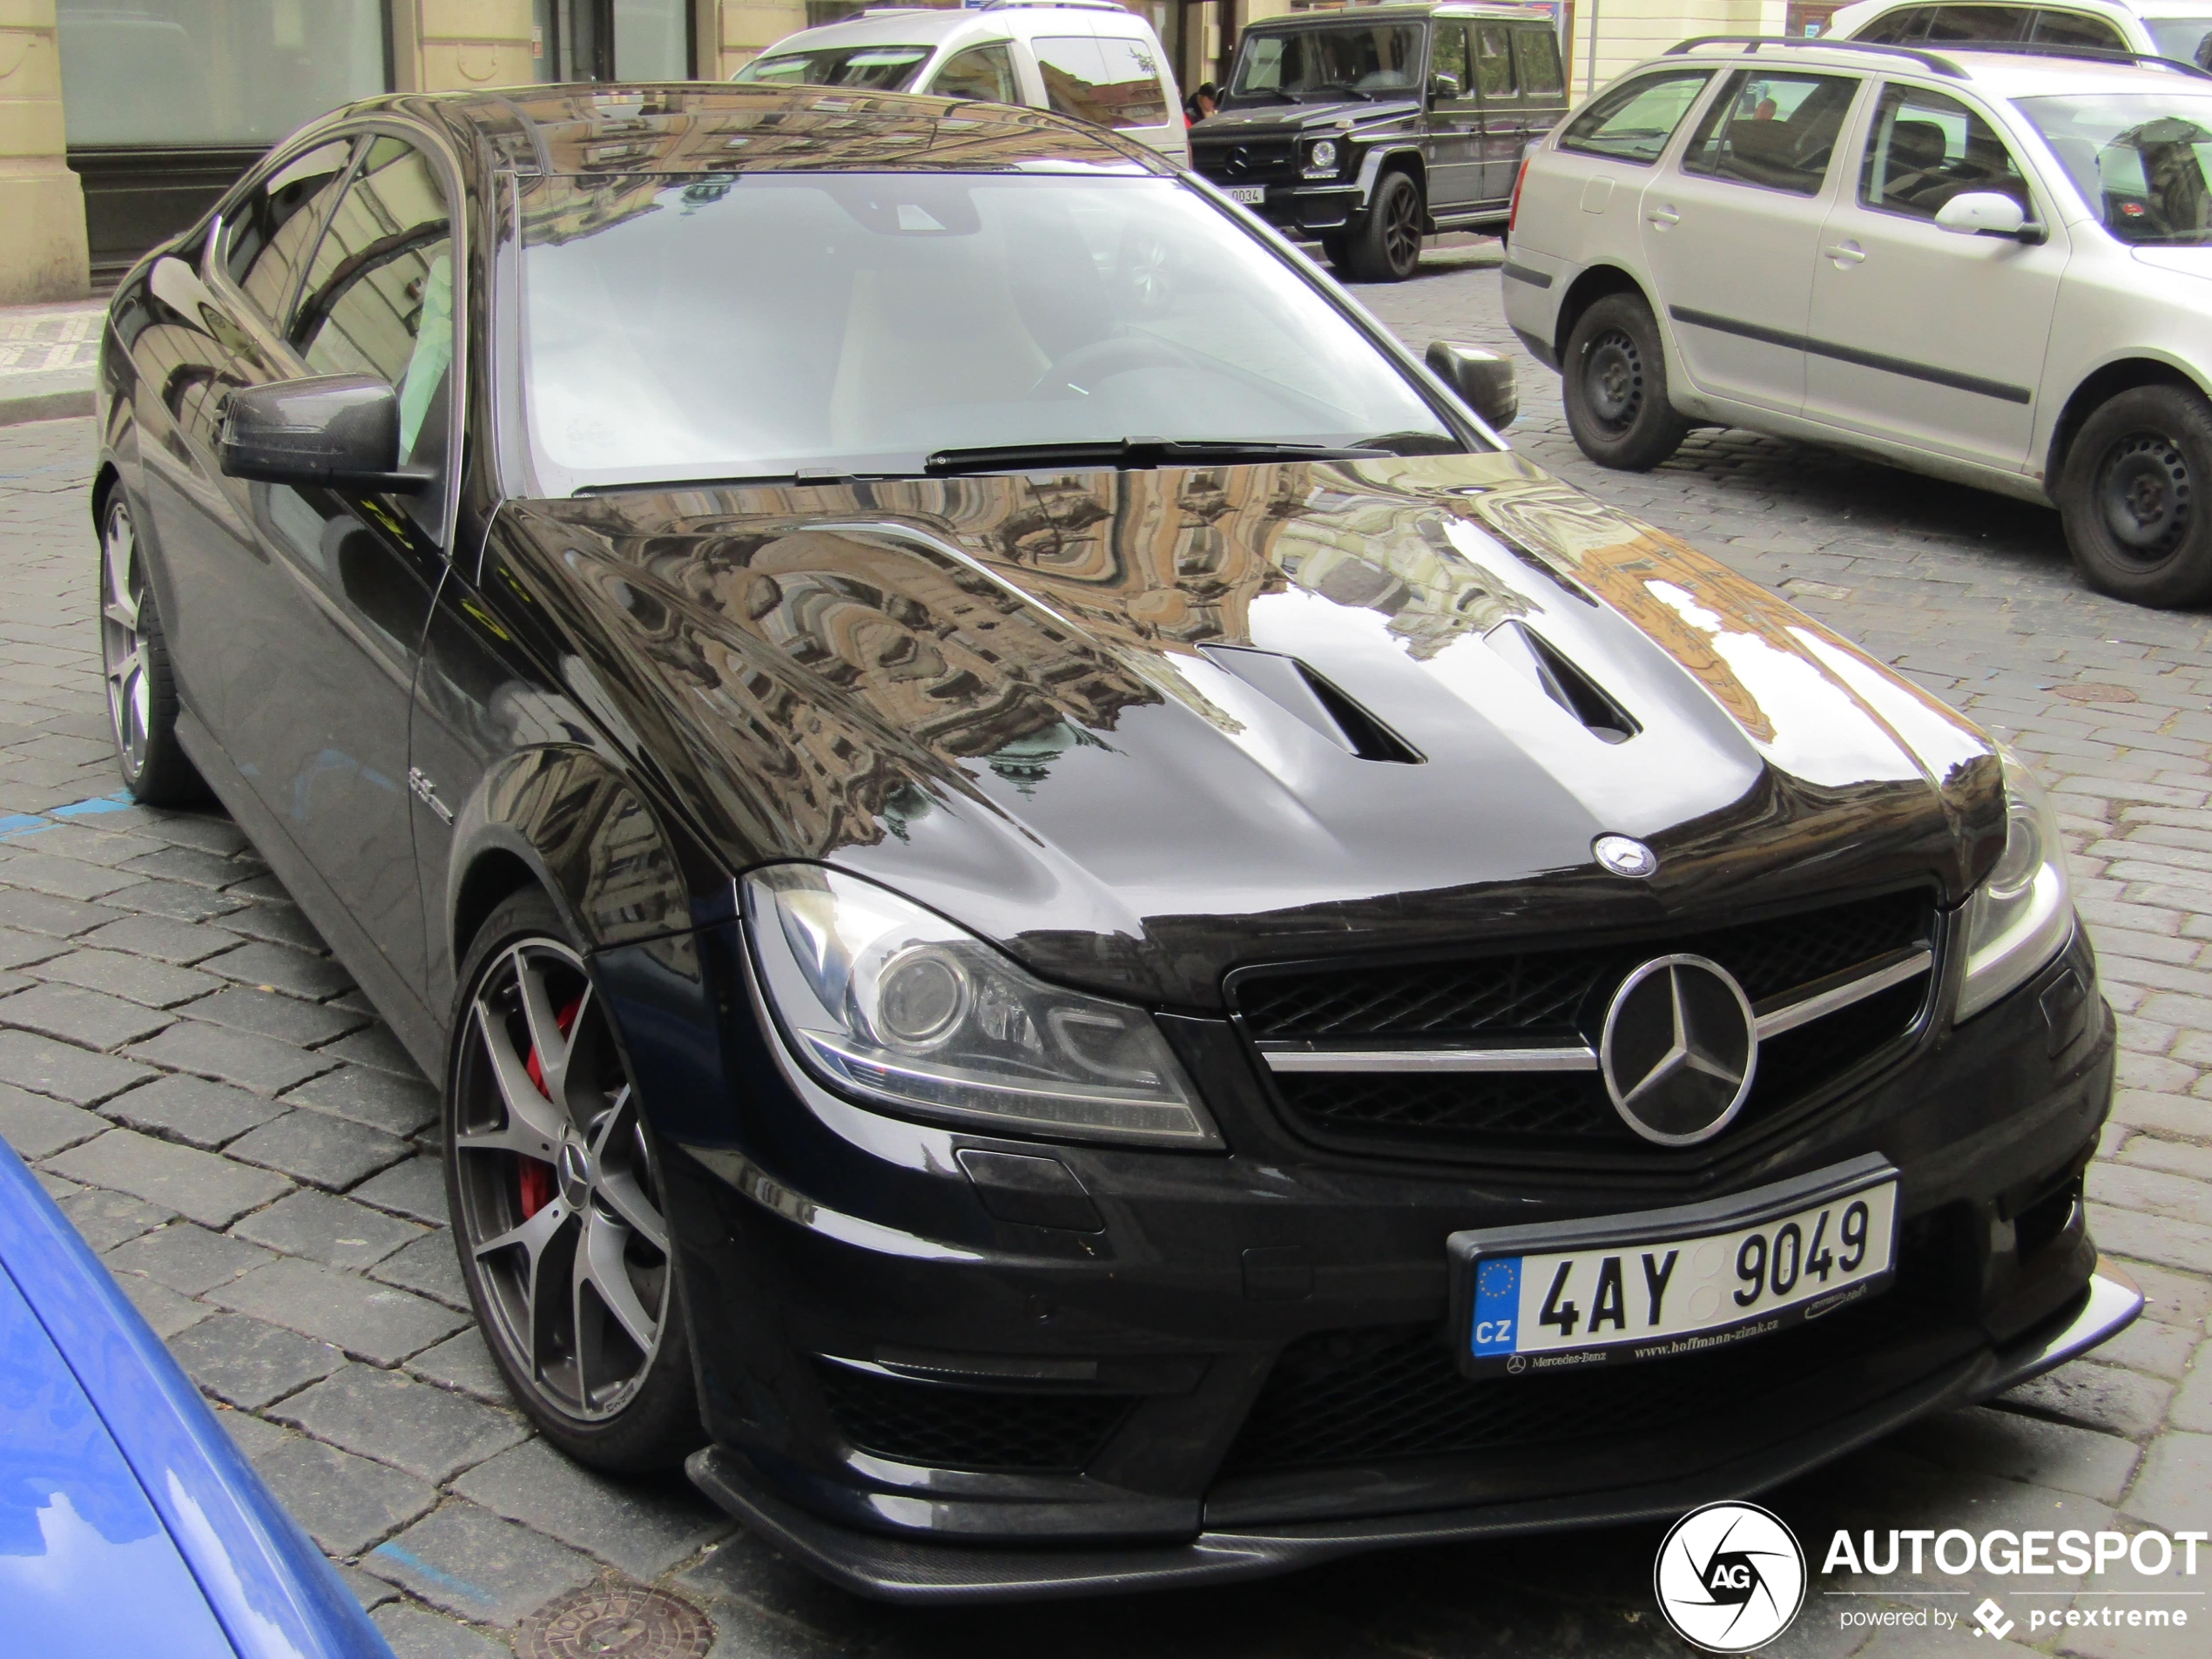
x=1090 y=59
x=2181 y=30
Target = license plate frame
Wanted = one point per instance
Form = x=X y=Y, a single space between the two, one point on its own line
x=1685 y=1229
x=1249 y=195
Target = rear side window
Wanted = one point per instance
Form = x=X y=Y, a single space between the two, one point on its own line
x=1538 y=49
x=1927 y=148
x=1960 y=23
x=1633 y=121
x=268 y=236
x=1774 y=131
x=1110 y=81
x=985 y=73
x=1895 y=28
x=1493 y=63
x=2077 y=28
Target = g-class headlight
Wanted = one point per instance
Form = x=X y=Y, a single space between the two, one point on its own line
x=893 y=1003
x=2022 y=913
x=1321 y=159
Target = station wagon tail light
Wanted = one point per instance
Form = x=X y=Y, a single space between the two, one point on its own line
x=1512 y=213
x=2022 y=913
x=891 y=1003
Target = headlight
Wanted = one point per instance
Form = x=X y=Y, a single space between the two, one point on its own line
x=1321 y=159
x=2022 y=913
x=888 y=1002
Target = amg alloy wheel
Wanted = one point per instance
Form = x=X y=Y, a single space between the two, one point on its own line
x=1387 y=245
x=2136 y=497
x=134 y=656
x=556 y=1202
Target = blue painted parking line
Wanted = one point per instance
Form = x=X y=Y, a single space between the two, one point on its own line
x=20 y=825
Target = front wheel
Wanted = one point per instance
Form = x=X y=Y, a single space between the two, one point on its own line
x=2133 y=497
x=558 y=1210
x=1386 y=247
x=134 y=657
x=1615 y=386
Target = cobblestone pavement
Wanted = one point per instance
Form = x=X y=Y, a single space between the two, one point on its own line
x=222 y=1116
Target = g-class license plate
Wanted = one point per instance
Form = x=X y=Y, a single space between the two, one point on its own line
x=1251 y=195
x=1619 y=1289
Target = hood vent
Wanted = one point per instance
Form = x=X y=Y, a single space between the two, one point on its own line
x=1301 y=692
x=1563 y=682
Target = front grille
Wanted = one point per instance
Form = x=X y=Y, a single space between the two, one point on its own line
x=1553 y=997
x=1248 y=161
x=1348 y=1397
x=967 y=1428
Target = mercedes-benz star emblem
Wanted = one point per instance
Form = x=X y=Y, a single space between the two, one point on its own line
x=1679 y=1050
x=1625 y=856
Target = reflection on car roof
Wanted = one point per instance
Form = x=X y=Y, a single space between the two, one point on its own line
x=626 y=130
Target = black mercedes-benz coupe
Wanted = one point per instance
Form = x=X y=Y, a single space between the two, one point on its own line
x=1075 y=937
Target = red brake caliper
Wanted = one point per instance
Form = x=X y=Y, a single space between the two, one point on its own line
x=533 y=1179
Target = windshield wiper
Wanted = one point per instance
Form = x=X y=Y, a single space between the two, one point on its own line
x=1132 y=455
x=1338 y=86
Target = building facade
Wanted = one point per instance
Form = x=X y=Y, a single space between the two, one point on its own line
x=120 y=120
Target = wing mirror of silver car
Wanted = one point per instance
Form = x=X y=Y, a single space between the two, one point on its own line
x=1483 y=378
x=1986 y=212
x=332 y=431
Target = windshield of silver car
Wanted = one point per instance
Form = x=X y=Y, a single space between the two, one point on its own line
x=1376 y=61
x=2143 y=160
x=2188 y=40
x=865 y=325
x=884 y=68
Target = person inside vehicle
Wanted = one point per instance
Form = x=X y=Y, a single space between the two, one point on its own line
x=1201 y=103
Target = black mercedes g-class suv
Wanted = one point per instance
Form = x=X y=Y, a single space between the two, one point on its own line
x=1371 y=129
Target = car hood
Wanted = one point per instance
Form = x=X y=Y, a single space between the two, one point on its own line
x=1019 y=700
x=1277 y=120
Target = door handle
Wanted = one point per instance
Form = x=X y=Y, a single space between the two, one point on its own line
x=1846 y=254
x=1662 y=217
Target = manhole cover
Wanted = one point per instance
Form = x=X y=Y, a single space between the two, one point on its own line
x=2094 y=692
x=615 y=1624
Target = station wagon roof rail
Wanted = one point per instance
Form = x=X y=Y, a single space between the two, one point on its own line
x=1940 y=64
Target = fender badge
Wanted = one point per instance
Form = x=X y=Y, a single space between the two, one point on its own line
x=1624 y=856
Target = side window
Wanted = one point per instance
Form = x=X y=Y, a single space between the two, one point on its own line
x=1493 y=62
x=985 y=73
x=379 y=295
x=1538 y=52
x=1110 y=80
x=1447 y=61
x=2078 y=28
x=1896 y=28
x=1925 y=148
x=1959 y=24
x=267 y=237
x=1633 y=121
x=1776 y=132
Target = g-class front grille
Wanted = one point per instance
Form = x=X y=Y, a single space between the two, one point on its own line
x=1244 y=161
x=1325 y=1034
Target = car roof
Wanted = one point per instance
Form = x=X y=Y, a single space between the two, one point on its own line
x=932 y=26
x=1506 y=10
x=2001 y=74
x=624 y=130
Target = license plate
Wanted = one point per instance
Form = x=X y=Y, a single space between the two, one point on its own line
x=1251 y=195
x=1623 y=1289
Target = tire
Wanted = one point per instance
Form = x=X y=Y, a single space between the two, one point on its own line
x=582 y=1312
x=1385 y=246
x=134 y=657
x=1615 y=385
x=2136 y=497
x=1337 y=245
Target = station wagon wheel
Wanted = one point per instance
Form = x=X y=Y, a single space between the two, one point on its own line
x=2134 y=496
x=1614 y=378
x=1387 y=246
x=134 y=657
x=557 y=1202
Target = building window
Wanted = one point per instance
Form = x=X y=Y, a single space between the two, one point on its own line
x=212 y=72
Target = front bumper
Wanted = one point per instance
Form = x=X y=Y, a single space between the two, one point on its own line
x=832 y=1255
x=1305 y=209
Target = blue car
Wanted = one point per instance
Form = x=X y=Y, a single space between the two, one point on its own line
x=129 y=1522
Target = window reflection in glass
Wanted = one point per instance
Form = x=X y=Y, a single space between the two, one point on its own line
x=1109 y=81
x=907 y=314
x=984 y=73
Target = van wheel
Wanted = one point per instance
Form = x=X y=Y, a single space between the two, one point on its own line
x=1387 y=245
x=2136 y=497
x=1614 y=383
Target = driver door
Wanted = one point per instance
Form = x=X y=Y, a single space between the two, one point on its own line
x=1454 y=121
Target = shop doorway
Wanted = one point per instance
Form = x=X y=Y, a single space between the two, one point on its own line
x=612 y=40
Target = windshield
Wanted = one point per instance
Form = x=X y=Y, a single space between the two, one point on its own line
x=886 y=68
x=2142 y=160
x=757 y=327
x=2189 y=40
x=1379 y=60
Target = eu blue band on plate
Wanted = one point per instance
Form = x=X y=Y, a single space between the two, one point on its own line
x=1497 y=1304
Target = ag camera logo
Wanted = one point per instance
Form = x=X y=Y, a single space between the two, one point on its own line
x=1730 y=1577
